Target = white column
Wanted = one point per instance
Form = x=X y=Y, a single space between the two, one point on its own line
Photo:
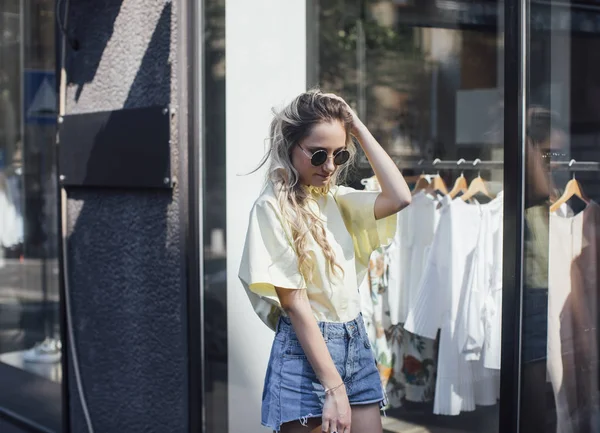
x=266 y=67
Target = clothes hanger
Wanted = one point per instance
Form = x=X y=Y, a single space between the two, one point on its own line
x=460 y=185
x=477 y=186
x=422 y=182
x=370 y=183
x=437 y=183
x=431 y=186
x=367 y=180
x=572 y=189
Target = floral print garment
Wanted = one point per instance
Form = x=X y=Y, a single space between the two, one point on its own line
x=406 y=362
x=378 y=287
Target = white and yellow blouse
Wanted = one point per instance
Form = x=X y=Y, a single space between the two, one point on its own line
x=269 y=259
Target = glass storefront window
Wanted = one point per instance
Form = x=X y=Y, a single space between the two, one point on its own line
x=427 y=77
x=560 y=384
x=30 y=348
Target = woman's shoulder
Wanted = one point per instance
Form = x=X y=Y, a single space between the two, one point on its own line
x=266 y=200
x=266 y=211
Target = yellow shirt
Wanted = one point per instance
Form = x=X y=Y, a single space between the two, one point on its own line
x=269 y=259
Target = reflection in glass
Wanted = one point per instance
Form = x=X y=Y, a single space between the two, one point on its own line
x=215 y=271
x=427 y=79
x=560 y=388
x=30 y=347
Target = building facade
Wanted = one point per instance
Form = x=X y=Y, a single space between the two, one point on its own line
x=128 y=132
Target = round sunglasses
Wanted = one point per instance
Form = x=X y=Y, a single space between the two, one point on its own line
x=320 y=156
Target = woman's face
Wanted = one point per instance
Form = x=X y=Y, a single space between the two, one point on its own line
x=327 y=136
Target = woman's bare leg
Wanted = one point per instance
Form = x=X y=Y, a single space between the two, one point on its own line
x=313 y=424
x=366 y=419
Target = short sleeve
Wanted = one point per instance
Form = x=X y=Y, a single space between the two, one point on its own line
x=358 y=211
x=268 y=260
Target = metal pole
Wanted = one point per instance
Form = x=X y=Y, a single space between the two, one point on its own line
x=191 y=95
x=477 y=164
x=516 y=15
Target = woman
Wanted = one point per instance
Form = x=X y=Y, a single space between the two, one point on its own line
x=546 y=141
x=307 y=249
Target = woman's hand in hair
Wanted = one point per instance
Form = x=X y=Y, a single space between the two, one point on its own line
x=395 y=194
x=356 y=122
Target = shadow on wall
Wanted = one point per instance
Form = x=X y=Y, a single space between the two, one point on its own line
x=125 y=270
x=152 y=84
x=92 y=27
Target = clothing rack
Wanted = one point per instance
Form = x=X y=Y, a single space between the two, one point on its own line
x=477 y=164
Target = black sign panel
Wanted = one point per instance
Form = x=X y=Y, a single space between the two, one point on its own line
x=126 y=148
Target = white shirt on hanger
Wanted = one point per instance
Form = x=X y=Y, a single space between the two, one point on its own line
x=407 y=254
x=481 y=331
x=453 y=283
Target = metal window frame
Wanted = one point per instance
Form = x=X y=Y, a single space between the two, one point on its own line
x=516 y=40
x=191 y=122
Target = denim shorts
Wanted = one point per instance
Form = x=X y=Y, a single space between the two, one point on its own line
x=293 y=392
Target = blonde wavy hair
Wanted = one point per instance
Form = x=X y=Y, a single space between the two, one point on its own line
x=289 y=127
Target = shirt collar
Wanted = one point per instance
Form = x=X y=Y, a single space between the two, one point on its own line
x=316 y=191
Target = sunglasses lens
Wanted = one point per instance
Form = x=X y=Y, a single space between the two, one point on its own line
x=318 y=158
x=341 y=157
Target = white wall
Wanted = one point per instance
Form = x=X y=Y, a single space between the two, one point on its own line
x=266 y=67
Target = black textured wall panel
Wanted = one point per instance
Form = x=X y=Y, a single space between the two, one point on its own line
x=126 y=264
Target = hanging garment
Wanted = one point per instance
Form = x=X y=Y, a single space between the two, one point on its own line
x=480 y=334
x=415 y=356
x=493 y=304
x=378 y=284
x=573 y=296
x=408 y=252
x=414 y=366
x=11 y=221
x=398 y=255
x=405 y=361
x=366 y=308
x=445 y=299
